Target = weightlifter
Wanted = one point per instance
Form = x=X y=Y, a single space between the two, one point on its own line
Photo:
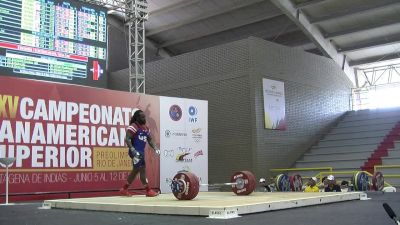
x=136 y=137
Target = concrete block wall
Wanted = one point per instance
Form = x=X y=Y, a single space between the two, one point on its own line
x=229 y=77
x=316 y=94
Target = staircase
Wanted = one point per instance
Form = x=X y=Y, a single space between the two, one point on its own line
x=358 y=142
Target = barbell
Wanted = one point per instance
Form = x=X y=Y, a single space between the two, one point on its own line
x=185 y=185
x=360 y=181
x=285 y=183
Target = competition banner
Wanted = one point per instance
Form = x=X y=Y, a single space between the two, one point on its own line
x=184 y=139
x=274 y=104
x=70 y=138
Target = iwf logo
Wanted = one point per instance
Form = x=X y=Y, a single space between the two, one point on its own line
x=192 y=114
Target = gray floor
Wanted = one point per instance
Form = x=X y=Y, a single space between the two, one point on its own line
x=353 y=212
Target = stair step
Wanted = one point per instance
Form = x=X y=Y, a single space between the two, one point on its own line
x=391 y=160
x=383 y=120
x=352 y=135
x=353 y=163
x=337 y=156
x=394 y=153
x=373 y=140
x=343 y=149
x=341 y=153
x=370 y=116
x=372 y=112
x=350 y=129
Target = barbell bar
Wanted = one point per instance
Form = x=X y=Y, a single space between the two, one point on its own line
x=185 y=185
x=218 y=184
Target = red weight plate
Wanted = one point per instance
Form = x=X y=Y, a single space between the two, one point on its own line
x=378 y=182
x=245 y=182
x=185 y=186
x=253 y=181
x=296 y=183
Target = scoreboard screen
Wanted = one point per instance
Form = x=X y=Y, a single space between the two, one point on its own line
x=54 y=40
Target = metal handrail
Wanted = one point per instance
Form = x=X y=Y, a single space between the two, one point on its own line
x=385 y=166
x=301 y=169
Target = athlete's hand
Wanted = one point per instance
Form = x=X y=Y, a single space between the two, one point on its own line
x=158 y=151
x=132 y=152
x=136 y=158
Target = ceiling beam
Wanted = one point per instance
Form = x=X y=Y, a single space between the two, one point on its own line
x=225 y=28
x=174 y=6
x=305 y=47
x=309 y=3
x=159 y=51
x=387 y=40
x=315 y=51
x=292 y=36
x=361 y=9
x=206 y=15
x=315 y=35
x=377 y=24
x=375 y=59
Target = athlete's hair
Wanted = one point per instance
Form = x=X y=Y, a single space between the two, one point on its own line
x=135 y=116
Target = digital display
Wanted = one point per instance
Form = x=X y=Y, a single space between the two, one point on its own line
x=62 y=41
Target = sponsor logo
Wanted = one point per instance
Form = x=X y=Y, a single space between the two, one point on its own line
x=175 y=112
x=169 y=133
x=192 y=114
x=184 y=156
x=196 y=131
x=169 y=153
x=186 y=168
x=198 y=153
x=196 y=135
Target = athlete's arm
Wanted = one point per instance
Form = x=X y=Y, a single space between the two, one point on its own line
x=128 y=139
x=153 y=145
